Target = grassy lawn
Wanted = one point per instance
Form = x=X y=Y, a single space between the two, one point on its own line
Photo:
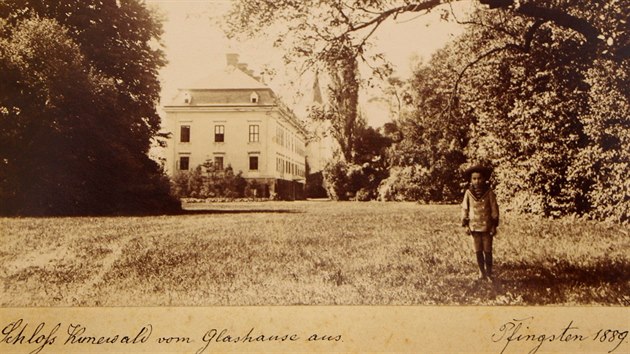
x=308 y=252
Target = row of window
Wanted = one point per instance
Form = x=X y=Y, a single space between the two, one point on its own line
x=184 y=163
x=219 y=133
x=289 y=167
x=285 y=139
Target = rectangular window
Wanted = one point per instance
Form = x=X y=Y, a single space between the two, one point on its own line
x=184 y=134
x=218 y=163
x=253 y=163
x=184 y=161
x=254 y=133
x=219 y=133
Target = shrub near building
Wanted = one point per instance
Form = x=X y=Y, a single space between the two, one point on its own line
x=206 y=182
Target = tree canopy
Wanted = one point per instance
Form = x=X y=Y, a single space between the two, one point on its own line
x=534 y=106
x=335 y=34
x=536 y=88
x=312 y=30
x=78 y=108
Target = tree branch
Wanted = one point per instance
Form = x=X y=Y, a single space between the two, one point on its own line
x=461 y=73
x=480 y=23
x=421 y=6
x=560 y=18
x=525 y=47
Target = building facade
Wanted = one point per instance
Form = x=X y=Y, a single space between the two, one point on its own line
x=232 y=118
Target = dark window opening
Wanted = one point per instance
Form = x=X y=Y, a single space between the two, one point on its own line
x=253 y=163
x=184 y=162
x=184 y=134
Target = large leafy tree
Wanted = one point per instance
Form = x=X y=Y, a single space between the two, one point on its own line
x=546 y=106
x=526 y=99
x=434 y=132
x=543 y=105
x=77 y=108
x=531 y=93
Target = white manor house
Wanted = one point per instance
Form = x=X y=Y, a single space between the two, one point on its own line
x=232 y=118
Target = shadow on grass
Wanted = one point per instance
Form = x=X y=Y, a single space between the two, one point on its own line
x=605 y=282
x=596 y=282
x=236 y=211
x=173 y=213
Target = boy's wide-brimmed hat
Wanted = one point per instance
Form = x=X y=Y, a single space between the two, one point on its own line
x=484 y=170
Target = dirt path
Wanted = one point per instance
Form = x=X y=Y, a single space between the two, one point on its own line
x=64 y=274
x=85 y=293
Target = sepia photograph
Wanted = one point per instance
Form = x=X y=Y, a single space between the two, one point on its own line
x=247 y=154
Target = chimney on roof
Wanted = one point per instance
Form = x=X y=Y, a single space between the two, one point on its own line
x=232 y=59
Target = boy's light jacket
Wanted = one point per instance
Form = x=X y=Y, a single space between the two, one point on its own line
x=483 y=213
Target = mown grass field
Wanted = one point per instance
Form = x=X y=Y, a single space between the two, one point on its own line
x=308 y=252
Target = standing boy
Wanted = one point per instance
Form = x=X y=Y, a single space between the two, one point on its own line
x=480 y=214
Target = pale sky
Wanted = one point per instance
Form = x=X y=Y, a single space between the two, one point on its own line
x=193 y=42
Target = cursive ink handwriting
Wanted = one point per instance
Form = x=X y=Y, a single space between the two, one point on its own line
x=224 y=336
x=76 y=336
x=513 y=332
x=18 y=331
